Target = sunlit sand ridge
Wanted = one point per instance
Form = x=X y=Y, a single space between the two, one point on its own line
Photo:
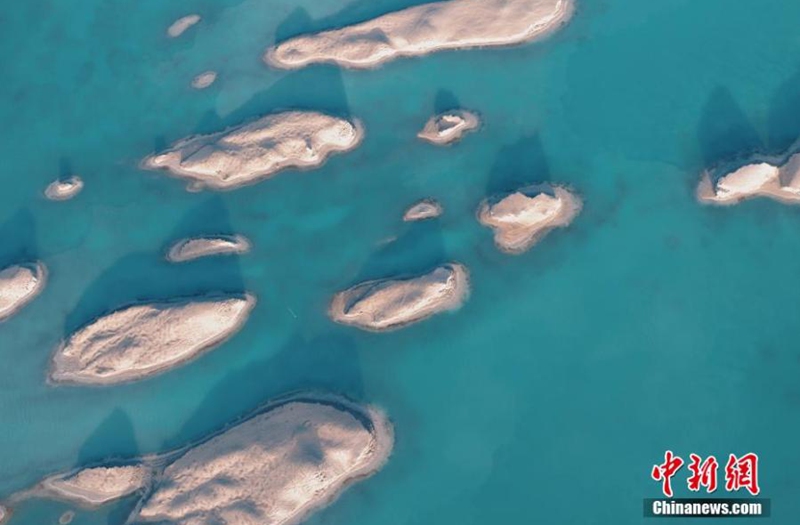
x=143 y=340
x=273 y=469
x=759 y=179
x=19 y=285
x=522 y=218
x=257 y=150
x=190 y=249
x=92 y=487
x=389 y=304
x=423 y=29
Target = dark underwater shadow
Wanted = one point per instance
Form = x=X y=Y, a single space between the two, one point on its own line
x=19 y=238
x=519 y=164
x=783 y=124
x=445 y=100
x=113 y=438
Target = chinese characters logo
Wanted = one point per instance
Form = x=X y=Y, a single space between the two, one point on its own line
x=740 y=473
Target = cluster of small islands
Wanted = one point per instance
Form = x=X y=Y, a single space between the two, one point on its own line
x=299 y=452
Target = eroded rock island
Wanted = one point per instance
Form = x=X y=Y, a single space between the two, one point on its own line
x=146 y=339
x=775 y=180
x=449 y=127
x=61 y=190
x=194 y=248
x=424 y=29
x=275 y=468
x=520 y=219
x=257 y=150
x=19 y=285
x=390 y=304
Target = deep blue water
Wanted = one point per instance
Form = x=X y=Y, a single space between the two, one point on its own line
x=651 y=323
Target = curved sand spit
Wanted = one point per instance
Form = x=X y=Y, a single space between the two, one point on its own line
x=194 y=248
x=146 y=339
x=424 y=209
x=257 y=150
x=5 y=513
x=19 y=285
x=204 y=79
x=390 y=304
x=522 y=218
x=423 y=29
x=182 y=24
x=449 y=127
x=760 y=179
x=274 y=468
x=61 y=190
x=93 y=487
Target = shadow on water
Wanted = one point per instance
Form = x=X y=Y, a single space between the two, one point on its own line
x=113 y=438
x=519 y=164
x=327 y=363
x=445 y=101
x=148 y=277
x=64 y=168
x=724 y=132
x=19 y=239
x=783 y=126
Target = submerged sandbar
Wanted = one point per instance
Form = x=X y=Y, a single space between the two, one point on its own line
x=196 y=247
x=146 y=339
x=257 y=150
x=275 y=468
x=424 y=29
x=389 y=304
x=19 y=285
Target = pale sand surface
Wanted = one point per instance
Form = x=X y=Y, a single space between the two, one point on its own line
x=449 y=127
x=5 y=513
x=194 y=248
x=204 y=79
x=759 y=179
x=182 y=24
x=523 y=218
x=390 y=304
x=146 y=339
x=424 y=209
x=61 y=190
x=19 y=285
x=66 y=518
x=250 y=152
x=423 y=29
x=275 y=468
x=95 y=486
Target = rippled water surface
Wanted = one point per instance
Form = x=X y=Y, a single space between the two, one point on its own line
x=651 y=323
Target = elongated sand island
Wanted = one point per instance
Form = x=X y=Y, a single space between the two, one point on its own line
x=147 y=339
x=61 y=190
x=275 y=468
x=523 y=218
x=774 y=180
x=450 y=127
x=389 y=304
x=194 y=248
x=257 y=150
x=422 y=210
x=204 y=79
x=19 y=285
x=96 y=486
x=180 y=25
x=424 y=29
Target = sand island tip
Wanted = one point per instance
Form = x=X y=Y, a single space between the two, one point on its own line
x=257 y=150
x=389 y=304
x=275 y=468
x=61 y=190
x=422 y=210
x=522 y=218
x=780 y=182
x=449 y=127
x=19 y=285
x=96 y=486
x=424 y=29
x=146 y=339
x=180 y=25
x=194 y=248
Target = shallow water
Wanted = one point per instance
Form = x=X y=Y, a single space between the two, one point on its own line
x=651 y=323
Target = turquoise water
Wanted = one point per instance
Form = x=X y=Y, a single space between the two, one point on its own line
x=651 y=323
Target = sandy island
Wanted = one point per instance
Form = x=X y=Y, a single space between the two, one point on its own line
x=143 y=340
x=204 y=79
x=274 y=468
x=96 y=486
x=182 y=24
x=197 y=247
x=19 y=285
x=423 y=29
x=61 y=190
x=5 y=513
x=389 y=304
x=771 y=179
x=66 y=517
x=449 y=127
x=424 y=209
x=257 y=150
x=523 y=218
